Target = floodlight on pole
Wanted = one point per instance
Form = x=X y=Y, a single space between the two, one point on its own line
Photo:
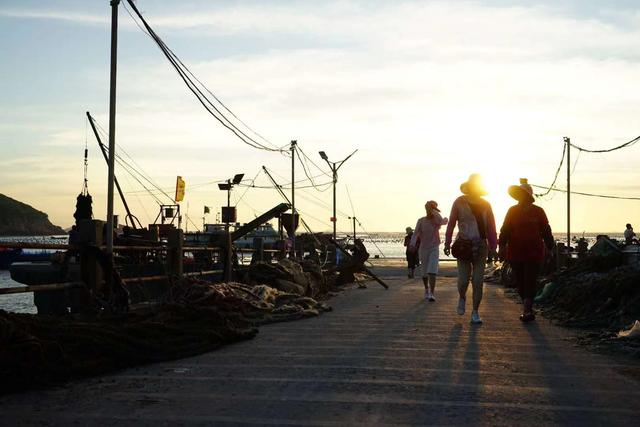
x=237 y=178
x=228 y=186
x=229 y=216
x=334 y=166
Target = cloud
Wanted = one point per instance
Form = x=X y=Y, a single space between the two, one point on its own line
x=56 y=15
x=428 y=92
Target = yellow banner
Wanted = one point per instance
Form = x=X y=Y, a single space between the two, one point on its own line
x=180 y=185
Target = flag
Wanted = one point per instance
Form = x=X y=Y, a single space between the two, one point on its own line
x=180 y=185
x=206 y=210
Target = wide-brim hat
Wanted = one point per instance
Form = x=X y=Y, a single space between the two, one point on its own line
x=432 y=204
x=408 y=229
x=522 y=193
x=474 y=185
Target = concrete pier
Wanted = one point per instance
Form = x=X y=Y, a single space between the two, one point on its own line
x=380 y=358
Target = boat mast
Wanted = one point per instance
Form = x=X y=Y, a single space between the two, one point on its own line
x=112 y=123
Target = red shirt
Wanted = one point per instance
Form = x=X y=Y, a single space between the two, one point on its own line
x=523 y=232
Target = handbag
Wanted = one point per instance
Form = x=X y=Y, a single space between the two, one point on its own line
x=462 y=249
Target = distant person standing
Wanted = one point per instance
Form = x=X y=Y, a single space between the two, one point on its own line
x=476 y=237
x=525 y=240
x=411 y=253
x=629 y=235
x=427 y=232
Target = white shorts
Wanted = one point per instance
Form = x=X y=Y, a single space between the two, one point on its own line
x=429 y=258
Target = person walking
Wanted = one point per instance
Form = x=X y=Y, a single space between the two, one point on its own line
x=411 y=253
x=475 y=239
x=428 y=233
x=525 y=240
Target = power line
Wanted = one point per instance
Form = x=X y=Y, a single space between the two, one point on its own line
x=307 y=172
x=608 y=150
x=575 y=163
x=555 y=177
x=603 y=196
x=184 y=72
x=307 y=158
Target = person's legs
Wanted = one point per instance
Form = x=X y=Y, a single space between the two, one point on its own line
x=423 y=255
x=529 y=288
x=432 y=283
x=477 y=278
x=432 y=269
x=412 y=260
x=425 y=282
x=518 y=276
x=519 y=280
x=464 y=274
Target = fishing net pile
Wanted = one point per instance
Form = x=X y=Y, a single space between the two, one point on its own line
x=195 y=317
x=595 y=299
x=300 y=278
x=604 y=304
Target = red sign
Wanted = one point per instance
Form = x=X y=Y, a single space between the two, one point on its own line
x=332 y=219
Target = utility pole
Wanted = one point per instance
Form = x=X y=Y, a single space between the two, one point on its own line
x=567 y=141
x=112 y=124
x=294 y=143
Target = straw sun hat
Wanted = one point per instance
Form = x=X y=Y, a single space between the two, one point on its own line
x=522 y=192
x=474 y=186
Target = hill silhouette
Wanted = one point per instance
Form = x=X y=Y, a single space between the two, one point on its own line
x=20 y=219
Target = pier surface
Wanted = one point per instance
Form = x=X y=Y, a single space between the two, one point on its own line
x=380 y=358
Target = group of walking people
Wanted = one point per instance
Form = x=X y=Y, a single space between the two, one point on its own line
x=525 y=241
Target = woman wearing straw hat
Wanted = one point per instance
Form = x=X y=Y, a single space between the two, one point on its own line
x=476 y=237
x=428 y=234
x=523 y=237
x=411 y=253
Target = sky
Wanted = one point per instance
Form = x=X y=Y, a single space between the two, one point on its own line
x=428 y=92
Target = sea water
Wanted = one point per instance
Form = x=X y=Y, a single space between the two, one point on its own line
x=22 y=303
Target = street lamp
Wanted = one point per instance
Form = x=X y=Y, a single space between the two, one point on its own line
x=228 y=186
x=229 y=216
x=334 y=169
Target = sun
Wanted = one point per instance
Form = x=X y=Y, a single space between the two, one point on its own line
x=497 y=180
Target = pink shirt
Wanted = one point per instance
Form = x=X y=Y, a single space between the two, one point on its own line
x=428 y=231
x=462 y=214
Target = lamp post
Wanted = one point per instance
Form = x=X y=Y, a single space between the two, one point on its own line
x=334 y=170
x=229 y=216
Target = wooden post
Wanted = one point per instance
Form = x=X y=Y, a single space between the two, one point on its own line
x=90 y=238
x=567 y=141
x=228 y=261
x=174 y=253
x=258 y=250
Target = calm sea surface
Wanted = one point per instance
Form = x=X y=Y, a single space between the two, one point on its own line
x=389 y=245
